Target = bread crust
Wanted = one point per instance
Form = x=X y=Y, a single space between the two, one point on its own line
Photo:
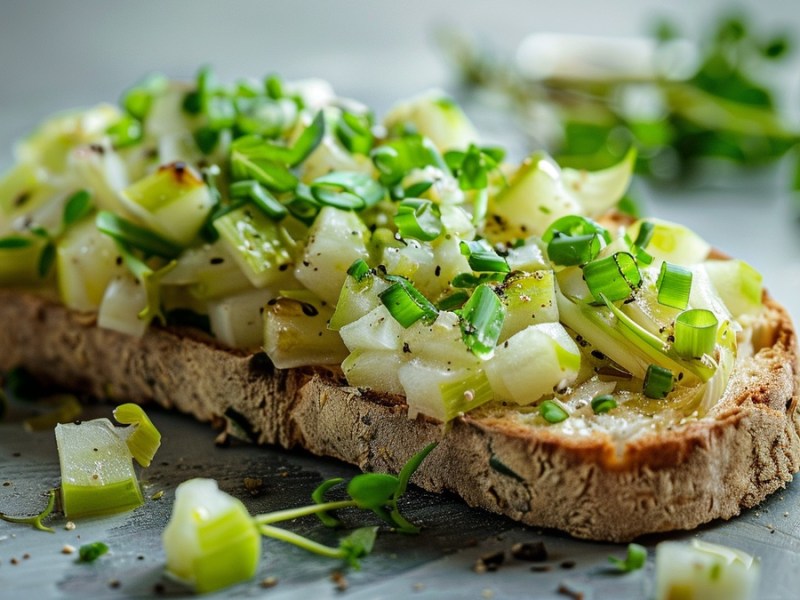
x=747 y=447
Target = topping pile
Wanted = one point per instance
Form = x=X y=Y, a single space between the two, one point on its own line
x=279 y=215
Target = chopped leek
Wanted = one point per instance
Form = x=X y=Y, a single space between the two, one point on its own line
x=482 y=321
x=259 y=246
x=529 y=298
x=20 y=259
x=533 y=362
x=210 y=542
x=703 y=570
x=436 y=116
x=441 y=392
x=173 y=202
x=673 y=242
x=738 y=284
x=133 y=235
x=142 y=437
x=97 y=475
x=296 y=333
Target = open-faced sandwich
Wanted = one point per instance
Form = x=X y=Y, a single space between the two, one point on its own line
x=270 y=256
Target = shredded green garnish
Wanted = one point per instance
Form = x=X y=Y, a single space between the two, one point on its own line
x=35 y=521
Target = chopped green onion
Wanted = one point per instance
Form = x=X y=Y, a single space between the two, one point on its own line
x=125 y=132
x=406 y=304
x=482 y=321
x=573 y=250
x=138 y=99
x=268 y=172
x=645 y=234
x=695 y=333
x=144 y=439
x=470 y=280
x=355 y=133
x=396 y=158
x=206 y=139
x=273 y=86
x=418 y=219
x=220 y=111
x=552 y=412
x=359 y=269
x=483 y=258
x=347 y=190
x=658 y=382
x=78 y=206
x=265 y=201
x=91 y=552
x=674 y=285
x=46 y=259
x=135 y=236
x=415 y=190
x=454 y=301
x=614 y=277
x=603 y=404
x=575 y=225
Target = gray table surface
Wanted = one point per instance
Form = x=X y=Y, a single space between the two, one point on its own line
x=57 y=54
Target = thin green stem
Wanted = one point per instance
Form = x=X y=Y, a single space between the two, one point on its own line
x=300 y=541
x=35 y=521
x=303 y=511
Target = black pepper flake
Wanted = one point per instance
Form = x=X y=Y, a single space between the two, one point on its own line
x=530 y=551
x=21 y=199
x=565 y=590
x=118 y=261
x=159 y=588
x=306 y=263
x=567 y=564
x=217 y=260
x=283 y=267
x=97 y=148
x=114 y=583
x=406 y=347
x=438 y=270
x=598 y=355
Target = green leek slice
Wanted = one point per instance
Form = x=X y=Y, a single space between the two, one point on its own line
x=210 y=542
x=97 y=475
x=142 y=437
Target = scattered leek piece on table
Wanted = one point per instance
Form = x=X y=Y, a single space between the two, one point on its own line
x=211 y=541
x=97 y=474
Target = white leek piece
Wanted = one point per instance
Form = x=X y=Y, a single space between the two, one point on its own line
x=533 y=362
x=210 y=542
x=436 y=116
x=704 y=571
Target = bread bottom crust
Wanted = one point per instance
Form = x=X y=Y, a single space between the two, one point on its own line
x=747 y=448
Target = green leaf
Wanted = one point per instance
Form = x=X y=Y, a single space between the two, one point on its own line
x=373 y=490
x=358 y=544
x=77 y=207
x=410 y=467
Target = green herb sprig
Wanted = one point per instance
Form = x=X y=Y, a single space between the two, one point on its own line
x=720 y=111
x=378 y=493
x=36 y=520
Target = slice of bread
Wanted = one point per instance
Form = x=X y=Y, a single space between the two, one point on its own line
x=592 y=486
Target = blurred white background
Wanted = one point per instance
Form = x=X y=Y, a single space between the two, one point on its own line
x=58 y=54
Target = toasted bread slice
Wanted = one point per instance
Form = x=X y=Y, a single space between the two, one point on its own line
x=592 y=486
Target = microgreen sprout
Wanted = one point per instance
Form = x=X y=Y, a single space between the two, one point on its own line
x=36 y=520
x=634 y=560
x=376 y=492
